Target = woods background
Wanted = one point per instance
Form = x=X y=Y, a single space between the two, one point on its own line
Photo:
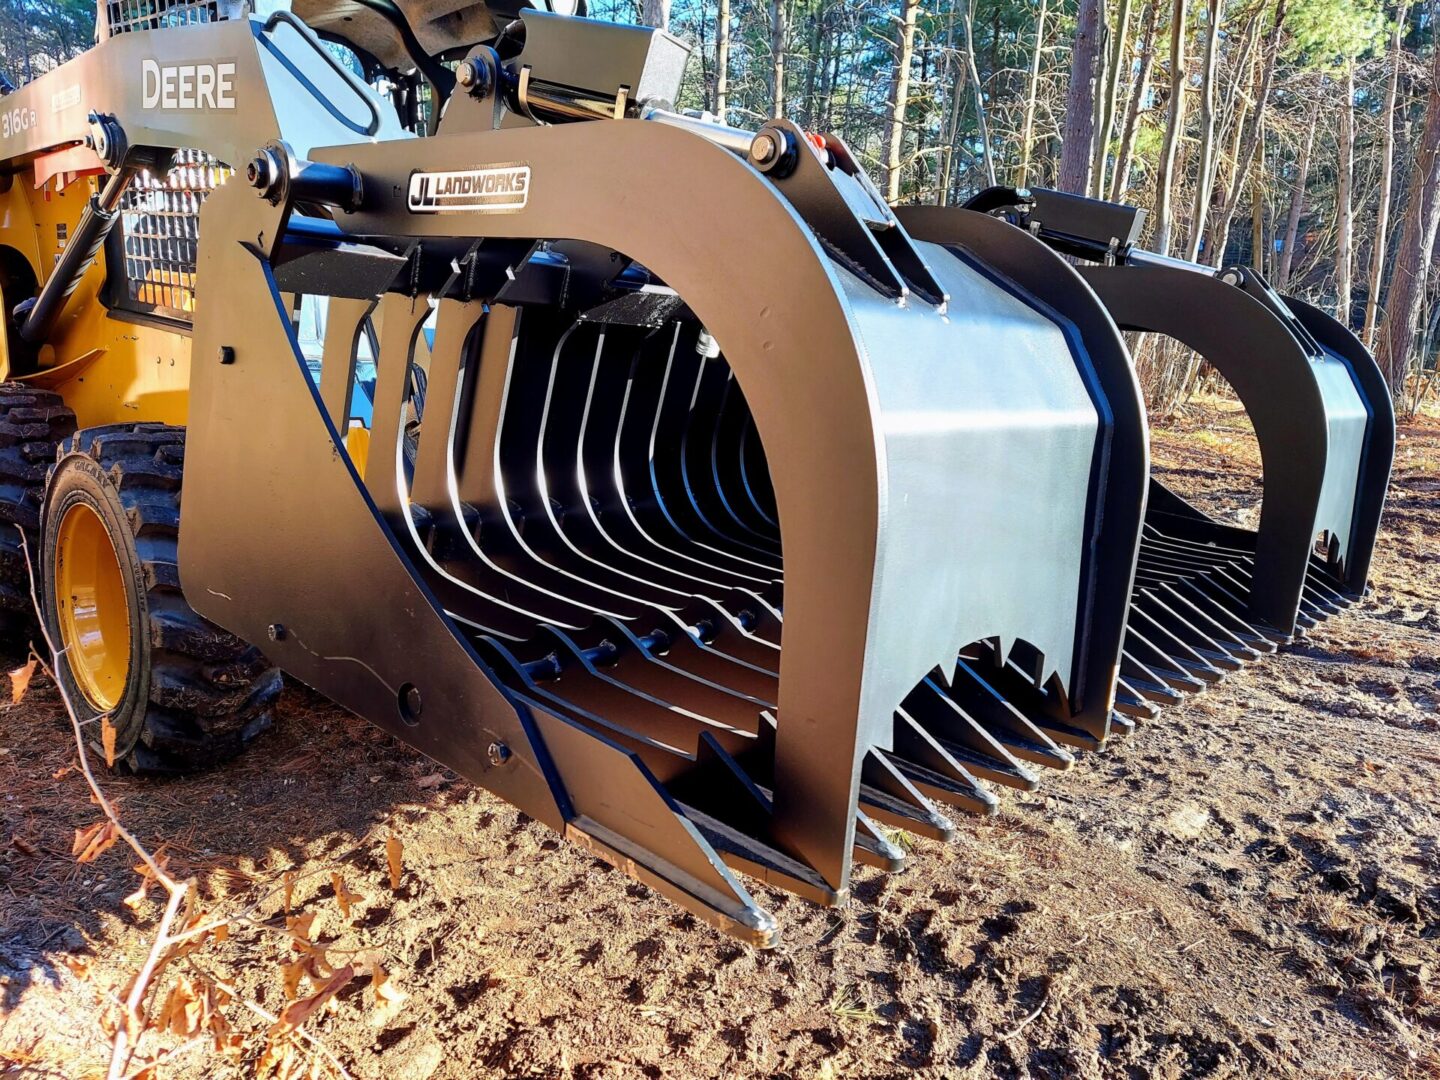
x=1298 y=136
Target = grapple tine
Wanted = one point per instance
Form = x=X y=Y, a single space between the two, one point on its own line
x=966 y=740
x=888 y=795
x=345 y=322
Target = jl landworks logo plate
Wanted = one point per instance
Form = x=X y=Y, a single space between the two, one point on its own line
x=496 y=189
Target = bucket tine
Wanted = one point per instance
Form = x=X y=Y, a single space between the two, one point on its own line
x=600 y=515
x=963 y=738
x=728 y=467
x=689 y=384
x=888 y=796
x=934 y=771
x=619 y=474
x=1205 y=645
x=645 y=462
x=401 y=318
x=974 y=696
x=345 y=322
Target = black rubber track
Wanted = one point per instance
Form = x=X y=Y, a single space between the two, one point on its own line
x=32 y=424
x=209 y=693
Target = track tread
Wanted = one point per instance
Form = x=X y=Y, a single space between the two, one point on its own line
x=33 y=422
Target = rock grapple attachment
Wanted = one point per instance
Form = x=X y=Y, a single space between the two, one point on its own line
x=723 y=549
x=717 y=563
x=655 y=474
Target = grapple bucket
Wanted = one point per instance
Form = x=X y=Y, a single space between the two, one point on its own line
x=1210 y=596
x=719 y=549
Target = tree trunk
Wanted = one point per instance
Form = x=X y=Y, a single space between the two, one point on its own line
x=952 y=122
x=1121 y=180
x=1258 y=250
x=980 y=117
x=1297 y=204
x=1387 y=180
x=1344 y=200
x=778 y=33
x=1080 y=102
x=816 y=21
x=1252 y=138
x=1110 y=98
x=722 y=59
x=1032 y=92
x=1205 y=175
x=899 y=99
x=1401 y=317
x=656 y=13
x=1165 y=178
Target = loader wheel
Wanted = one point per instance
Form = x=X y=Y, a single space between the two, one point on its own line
x=32 y=423
x=181 y=692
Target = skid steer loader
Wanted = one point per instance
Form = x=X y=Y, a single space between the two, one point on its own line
x=722 y=551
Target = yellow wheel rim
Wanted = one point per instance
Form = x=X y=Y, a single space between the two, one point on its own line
x=93 y=607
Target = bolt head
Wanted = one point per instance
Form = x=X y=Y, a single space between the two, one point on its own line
x=763 y=150
x=258 y=173
x=276 y=632
x=466 y=74
x=499 y=754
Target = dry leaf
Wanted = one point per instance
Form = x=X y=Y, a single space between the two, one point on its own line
x=289 y=880
x=20 y=680
x=343 y=896
x=184 y=1011
x=20 y=844
x=278 y=1058
x=296 y=1013
x=93 y=842
x=226 y=1041
x=79 y=966
x=386 y=992
x=147 y=878
x=107 y=739
x=434 y=780
x=290 y=975
x=393 y=852
x=298 y=927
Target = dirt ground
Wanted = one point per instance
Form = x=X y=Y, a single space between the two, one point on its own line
x=1249 y=887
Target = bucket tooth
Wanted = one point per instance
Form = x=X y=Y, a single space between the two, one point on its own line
x=934 y=771
x=967 y=741
x=1133 y=703
x=1205 y=645
x=1121 y=724
x=1146 y=684
x=609 y=792
x=1003 y=721
x=1182 y=657
x=889 y=796
x=874 y=847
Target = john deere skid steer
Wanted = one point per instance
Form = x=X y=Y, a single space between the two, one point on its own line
x=651 y=473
